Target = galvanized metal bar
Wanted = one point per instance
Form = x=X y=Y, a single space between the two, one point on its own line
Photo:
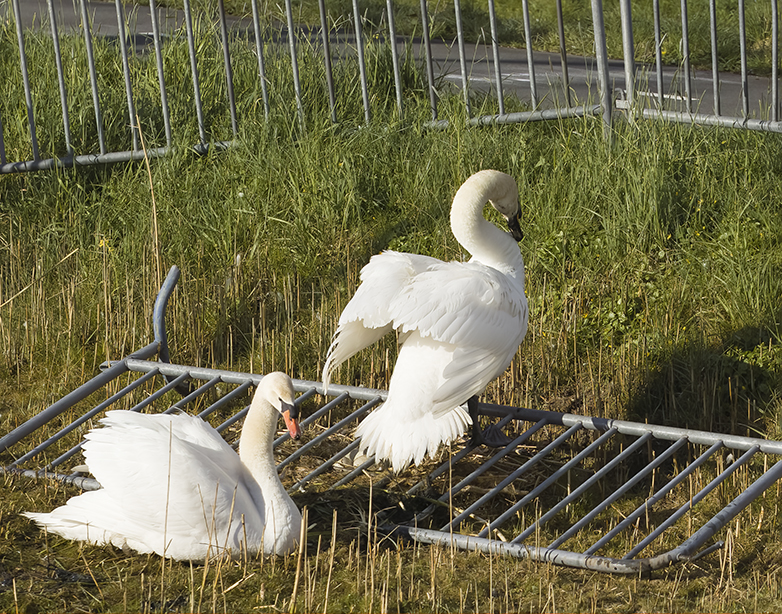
x=294 y=62
x=226 y=398
x=229 y=73
x=646 y=505
x=522 y=117
x=66 y=124
x=553 y=478
x=628 y=49
x=324 y=34
x=616 y=494
x=533 y=86
x=452 y=460
x=194 y=68
x=84 y=418
x=330 y=431
x=2 y=145
x=455 y=522
x=362 y=67
x=462 y=58
x=259 y=53
x=123 y=46
x=635 y=429
x=715 y=60
x=428 y=59
x=70 y=399
x=395 y=54
x=159 y=311
x=601 y=57
x=160 y=76
x=325 y=466
x=314 y=416
x=495 y=47
x=774 y=61
x=702 y=119
x=355 y=473
x=193 y=395
x=563 y=52
x=87 y=27
x=686 y=57
x=80 y=160
x=742 y=460
x=575 y=494
x=28 y=96
x=161 y=391
x=743 y=54
x=658 y=55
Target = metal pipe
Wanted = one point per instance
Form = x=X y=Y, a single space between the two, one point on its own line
x=686 y=56
x=161 y=78
x=325 y=466
x=230 y=396
x=356 y=472
x=646 y=505
x=715 y=72
x=81 y=160
x=429 y=65
x=294 y=63
x=743 y=50
x=533 y=86
x=28 y=96
x=229 y=74
x=628 y=49
x=552 y=479
x=159 y=312
x=601 y=57
x=362 y=68
x=774 y=61
x=495 y=47
x=123 y=46
x=194 y=70
x=692 y=502
x=395 y=55
x=66 y=124
x=259 y=53
x=658 y=55
x=563 y=51
x=521 y=117
x=311 y=418
x=324 y=33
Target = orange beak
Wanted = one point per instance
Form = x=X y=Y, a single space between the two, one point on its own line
x=291 y=422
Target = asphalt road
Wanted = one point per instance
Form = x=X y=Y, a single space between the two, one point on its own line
x=515 y=72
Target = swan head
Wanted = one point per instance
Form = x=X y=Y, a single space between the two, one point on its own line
x=505 y=199
x=277 y=389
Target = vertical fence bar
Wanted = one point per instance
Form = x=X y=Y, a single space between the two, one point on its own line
x=395 y=55
x=601 y=56
x=28 y=96
x=229 y=73
x=495 y=47
x=628 y=48
x=686 y=56
x=2 y=142
x=85 y=22
x=324 y=32
x=362 y=69
x=194 y=70
x=533 y=86
x=259 y=53
x=66 y=123
x=160 y=76
x=563 y=51
x=743 y=48
x=429 y=67
x=715 y=72
x=774 y=61
x=462 y=58
x=123 y=47
x=294 y=62
x=658 y=55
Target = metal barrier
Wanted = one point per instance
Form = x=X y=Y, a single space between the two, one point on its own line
x=594 y=493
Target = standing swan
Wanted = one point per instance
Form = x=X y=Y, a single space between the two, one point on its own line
x=459 y=325
x=173 y=486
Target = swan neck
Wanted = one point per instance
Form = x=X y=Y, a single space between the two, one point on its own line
x=255 y=444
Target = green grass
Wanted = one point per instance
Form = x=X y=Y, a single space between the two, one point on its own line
x=653 y=275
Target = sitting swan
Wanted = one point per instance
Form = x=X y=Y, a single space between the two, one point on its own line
x=459 y=325
x=173 y=486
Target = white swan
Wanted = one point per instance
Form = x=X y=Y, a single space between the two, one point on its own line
x=173 y=486
x=459 y=325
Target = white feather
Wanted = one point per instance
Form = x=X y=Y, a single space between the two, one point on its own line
x=460 y=325
x=171 y=485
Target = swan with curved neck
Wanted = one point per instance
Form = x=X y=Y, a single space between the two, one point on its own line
x=459 y=325
x=172 y=485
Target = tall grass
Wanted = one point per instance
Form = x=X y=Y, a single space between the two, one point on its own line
x=653 y=274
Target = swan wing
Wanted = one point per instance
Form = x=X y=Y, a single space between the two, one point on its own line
x=367 y=318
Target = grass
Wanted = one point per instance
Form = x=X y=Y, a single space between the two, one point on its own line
x=652 y=274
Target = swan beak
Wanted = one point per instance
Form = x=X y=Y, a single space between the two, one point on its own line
x=290 y=414
x=515 y=227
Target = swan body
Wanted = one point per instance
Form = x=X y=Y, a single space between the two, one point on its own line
x=171 y=485
x=459 y=325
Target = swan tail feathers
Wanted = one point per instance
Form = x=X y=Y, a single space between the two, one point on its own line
x=401 y=442
x=350 y=338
